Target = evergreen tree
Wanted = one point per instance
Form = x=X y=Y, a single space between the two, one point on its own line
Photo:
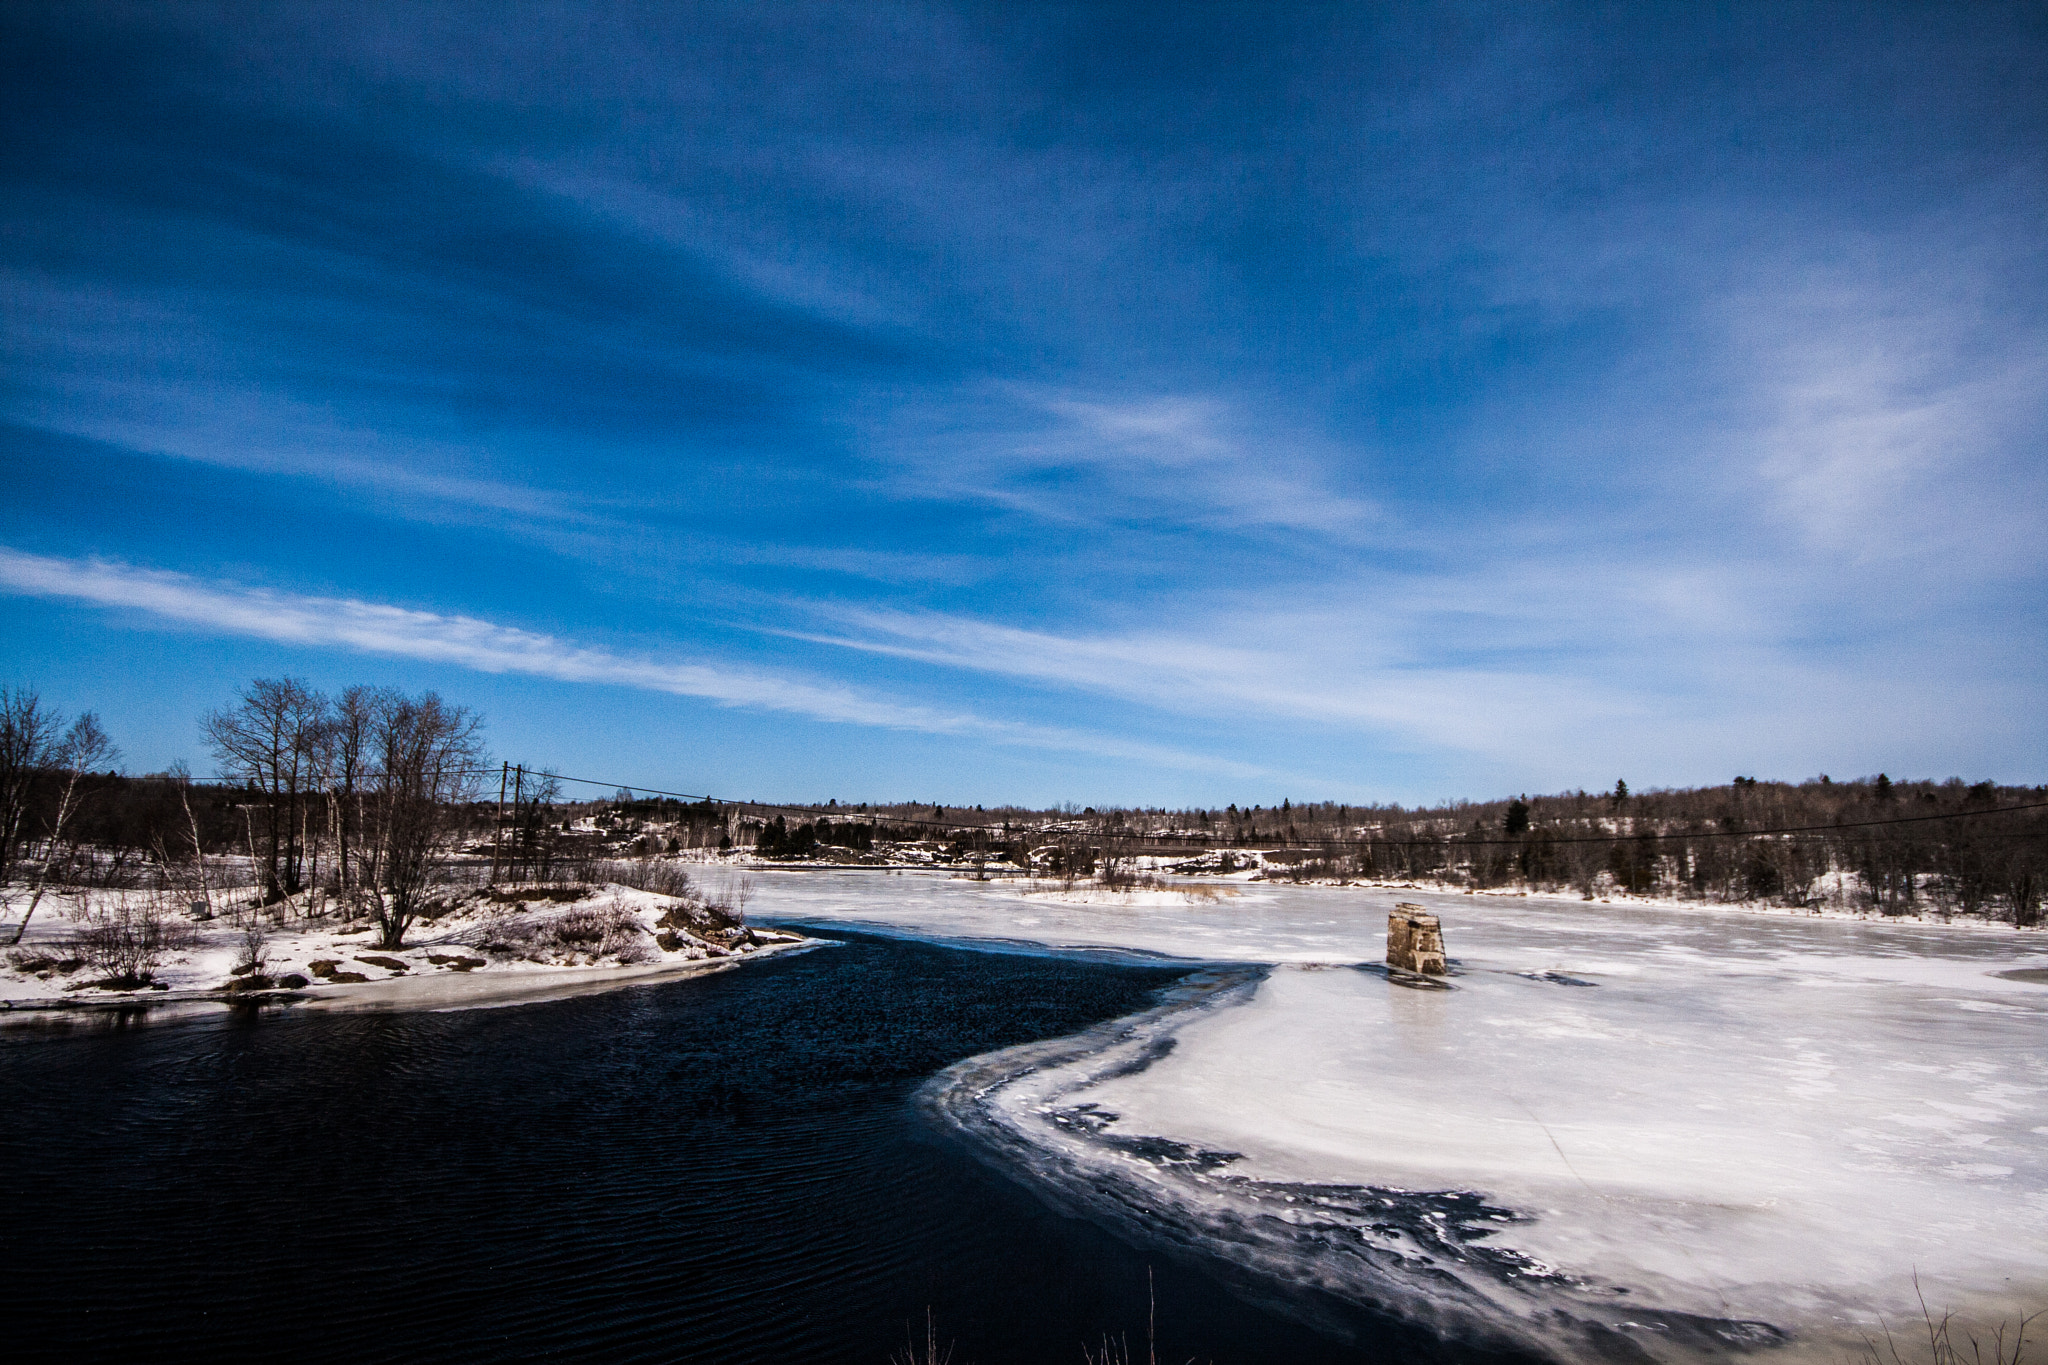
x=1517 y=821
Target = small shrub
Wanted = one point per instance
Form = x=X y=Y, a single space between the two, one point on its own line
x=128 y=942
x=252 y=955
x=583 y=935
x=517 y=895
x=508 y=934
x=715 y=924
x=729 y=902
x=1121 y=876
x=659 y=875
x=582 y=928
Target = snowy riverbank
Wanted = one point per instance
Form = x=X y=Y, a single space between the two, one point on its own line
x=479 y=948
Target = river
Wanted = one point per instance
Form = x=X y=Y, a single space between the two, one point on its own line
x=731 y=1168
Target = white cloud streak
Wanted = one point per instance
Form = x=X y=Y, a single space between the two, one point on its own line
x=1896 y=421
x=1078 y=459
x=1558 y=676
x=487 y=647
x=1331 y=670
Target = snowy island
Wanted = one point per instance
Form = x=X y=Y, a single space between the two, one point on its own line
x=93 y=950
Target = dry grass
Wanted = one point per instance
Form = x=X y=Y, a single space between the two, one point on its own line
x=586 y=935
x=926 y=1353
x=31 y=963
x=517 y=895
x=1119 y=875
x=1946 y=1340
x=1109 y=1351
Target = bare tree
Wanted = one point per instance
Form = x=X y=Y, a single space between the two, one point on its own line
x=530 y=854
x=428 y=756
x=180 y=775
x=350 y=726
x=266 y=742
x=84 y=748
x=28 y=740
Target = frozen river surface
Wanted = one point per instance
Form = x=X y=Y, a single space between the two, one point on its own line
x=1620 y=1131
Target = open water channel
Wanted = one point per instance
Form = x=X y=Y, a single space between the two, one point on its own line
x=730 y=1168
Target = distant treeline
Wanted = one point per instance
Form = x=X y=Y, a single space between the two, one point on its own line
x=1894 y=847
x=329 y=791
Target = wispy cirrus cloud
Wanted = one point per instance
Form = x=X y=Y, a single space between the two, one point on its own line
x=1895 y=420
x=1333 y=670
x=1082 y=459
x=489 y=647
x=1574 y=668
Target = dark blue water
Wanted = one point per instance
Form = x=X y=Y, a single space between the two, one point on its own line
x=721 y=1169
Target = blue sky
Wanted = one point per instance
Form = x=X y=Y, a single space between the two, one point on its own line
x=980 y=403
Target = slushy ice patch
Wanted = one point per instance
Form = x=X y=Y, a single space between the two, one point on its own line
x=1430 y=1256
x=1735 y=1119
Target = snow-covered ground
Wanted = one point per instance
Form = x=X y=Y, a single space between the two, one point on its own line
x=1691 y=1128
x=478 y=948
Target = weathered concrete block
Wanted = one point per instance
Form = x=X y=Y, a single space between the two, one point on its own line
x=1415 y=941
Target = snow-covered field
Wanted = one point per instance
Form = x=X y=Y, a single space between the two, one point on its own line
x=1690 y=1128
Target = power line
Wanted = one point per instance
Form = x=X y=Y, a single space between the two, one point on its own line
x=937 y=821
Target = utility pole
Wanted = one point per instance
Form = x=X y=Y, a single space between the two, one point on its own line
x=519 y=819
x=498 y=829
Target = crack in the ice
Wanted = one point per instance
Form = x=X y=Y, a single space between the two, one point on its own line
x=1555 y=978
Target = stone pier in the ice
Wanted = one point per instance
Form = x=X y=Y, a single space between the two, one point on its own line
x=1415 y=940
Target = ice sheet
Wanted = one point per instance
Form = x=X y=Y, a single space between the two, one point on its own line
x=1665 y=1124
